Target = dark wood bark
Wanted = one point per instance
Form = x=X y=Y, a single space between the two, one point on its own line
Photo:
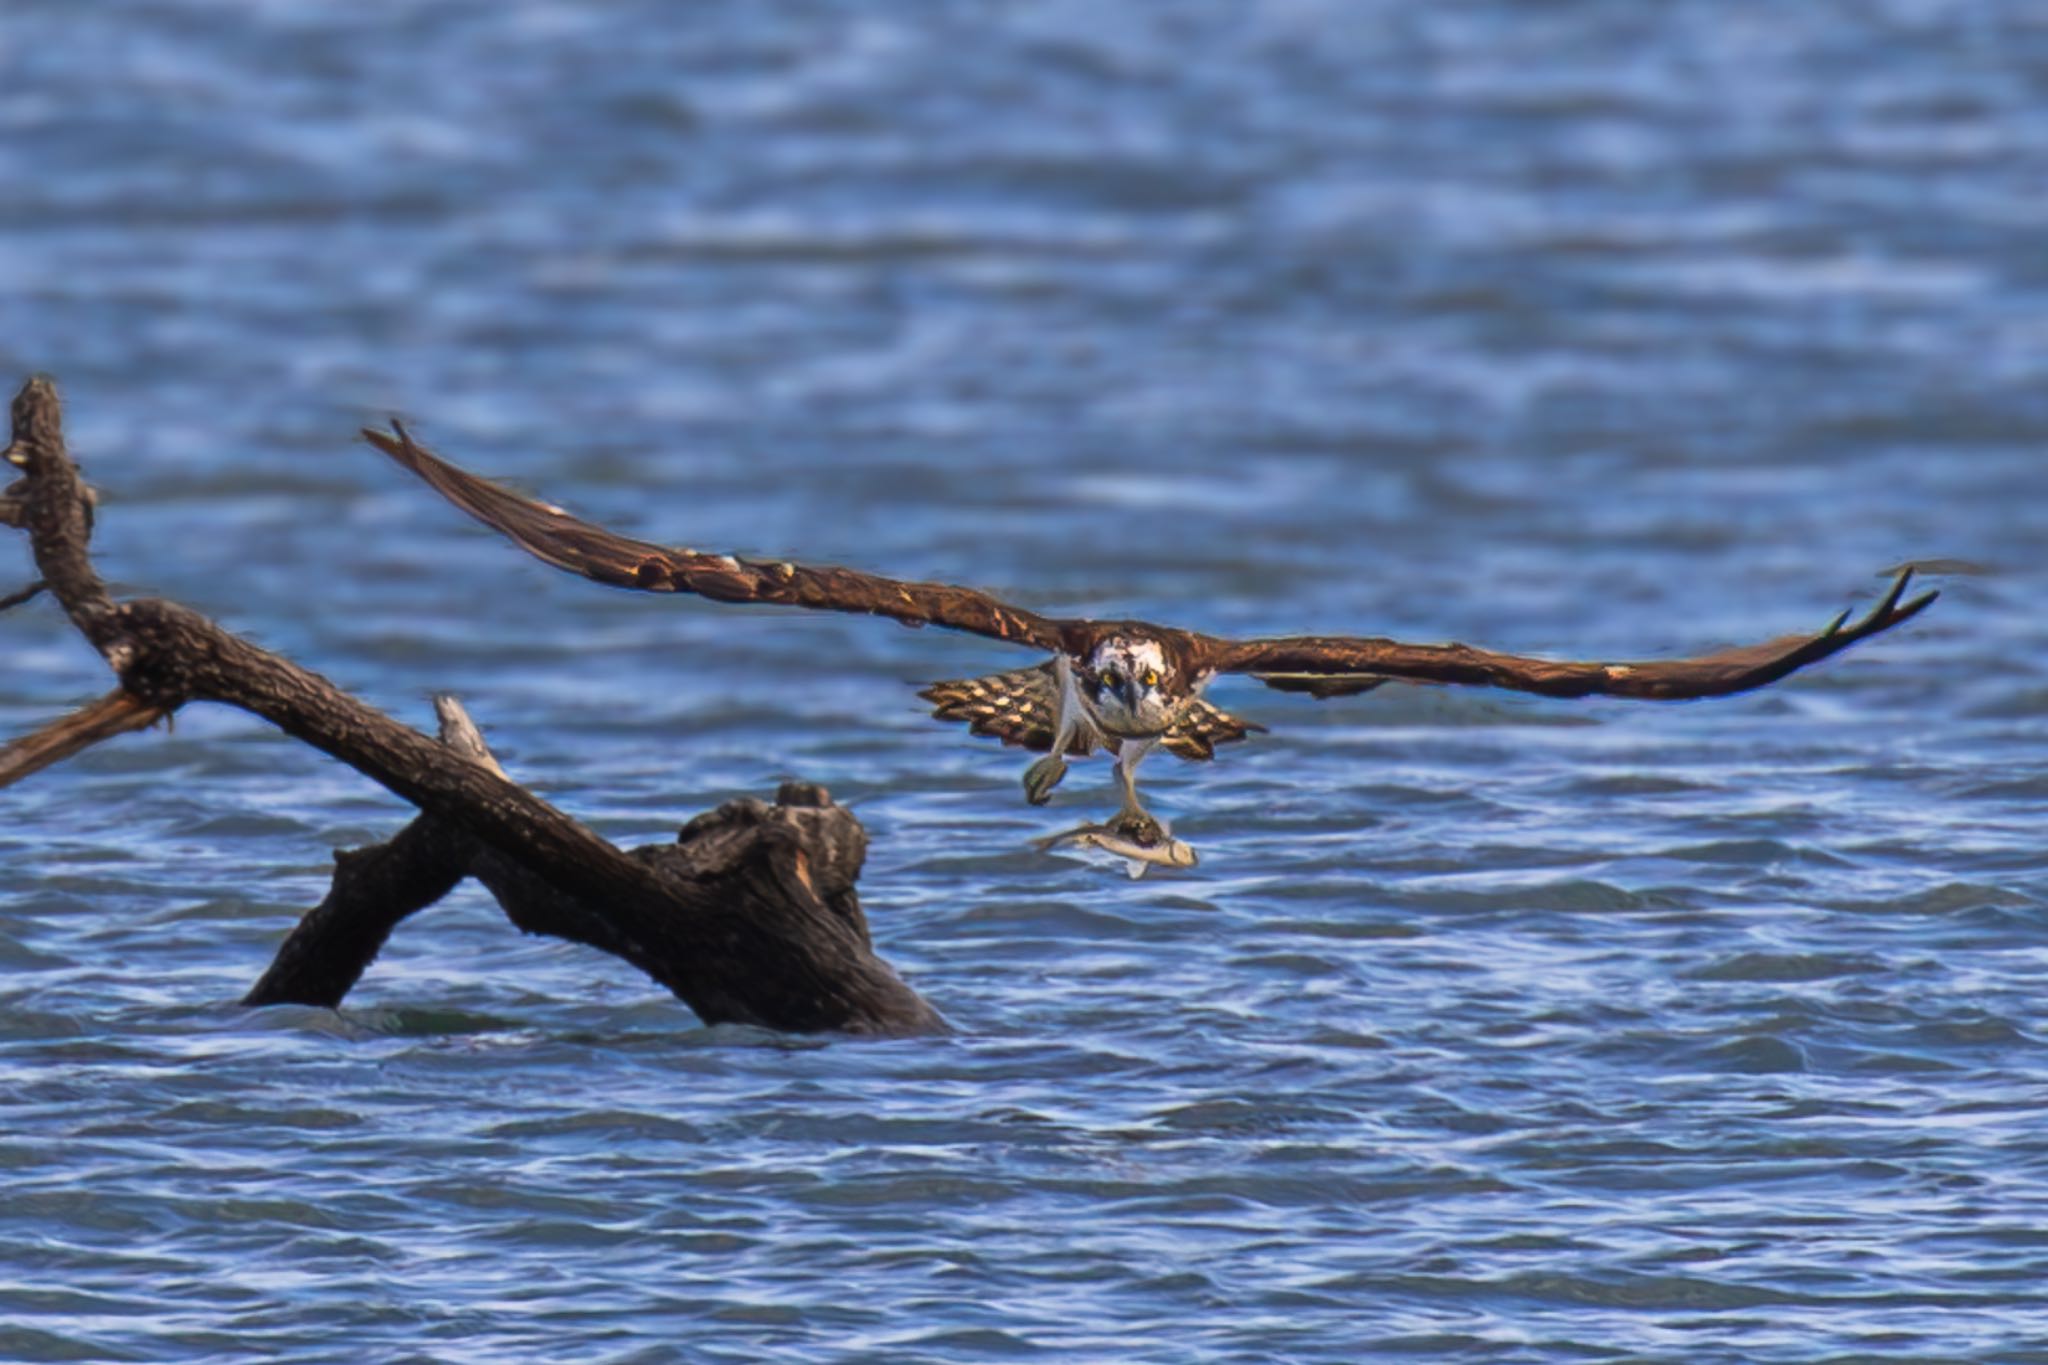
x=751 y=917
x=374 y=890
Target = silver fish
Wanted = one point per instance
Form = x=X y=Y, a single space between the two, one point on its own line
x=1141 y=848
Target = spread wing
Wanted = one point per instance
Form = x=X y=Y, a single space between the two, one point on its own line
x=564 y=541
x=1336 y=666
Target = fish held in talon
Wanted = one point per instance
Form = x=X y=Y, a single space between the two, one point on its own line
x=1120 y=688
x=1141 y=828
x=1142 y=844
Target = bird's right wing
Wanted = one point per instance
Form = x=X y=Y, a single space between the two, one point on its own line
x=567 y=542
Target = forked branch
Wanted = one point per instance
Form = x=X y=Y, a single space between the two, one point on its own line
x=764 y=930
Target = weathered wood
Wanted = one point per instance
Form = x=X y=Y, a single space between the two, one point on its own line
x=752 y=918
x=374 y=890
x=117 y=713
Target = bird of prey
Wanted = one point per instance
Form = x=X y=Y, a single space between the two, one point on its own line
x=1122 y=687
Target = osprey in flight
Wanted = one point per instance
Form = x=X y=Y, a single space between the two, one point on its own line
x=1124 y=687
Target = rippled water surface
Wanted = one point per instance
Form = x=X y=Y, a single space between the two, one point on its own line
x=1490 y=1028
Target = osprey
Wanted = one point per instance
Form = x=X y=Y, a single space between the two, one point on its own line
x=1123 y=687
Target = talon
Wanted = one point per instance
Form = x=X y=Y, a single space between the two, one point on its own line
x=1140 y=827
x=1041 y=777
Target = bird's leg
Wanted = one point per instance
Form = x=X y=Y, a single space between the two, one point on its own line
x=1041 y=777
x=1133 y=821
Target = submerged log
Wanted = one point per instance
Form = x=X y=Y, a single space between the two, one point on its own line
x=750 y=917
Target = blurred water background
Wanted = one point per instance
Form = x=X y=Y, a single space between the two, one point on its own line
x=1491 y=1029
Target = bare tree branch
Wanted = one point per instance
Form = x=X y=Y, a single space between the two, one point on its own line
x=117 y=713
x=767 y=932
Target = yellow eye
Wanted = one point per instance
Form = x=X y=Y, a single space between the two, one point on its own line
x=1151 y=677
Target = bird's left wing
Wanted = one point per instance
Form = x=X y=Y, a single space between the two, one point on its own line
x=568 y=543
x=1335 y=666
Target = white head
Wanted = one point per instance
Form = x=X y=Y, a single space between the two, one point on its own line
x=1131 y=687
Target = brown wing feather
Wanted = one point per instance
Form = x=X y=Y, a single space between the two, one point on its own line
x=1018 y=708
x=582 y=548
x=1022 y=708
x=1202 y=729
x=1297 y=659
x=1321 y=685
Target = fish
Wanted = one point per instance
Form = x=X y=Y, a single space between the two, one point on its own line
x=1142 y=848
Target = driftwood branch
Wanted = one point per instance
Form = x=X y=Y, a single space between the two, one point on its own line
x=750 y=917
x=117 y=713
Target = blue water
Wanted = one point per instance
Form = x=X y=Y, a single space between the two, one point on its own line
x=1490 y=1029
